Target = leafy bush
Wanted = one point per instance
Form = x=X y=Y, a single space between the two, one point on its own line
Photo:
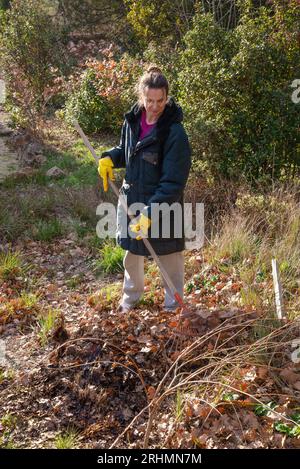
x=92 y=16
x=4 y=4
x=33 y=58
x=103 y=92
x=89 y=108
x=154 y=20
x=236 y=89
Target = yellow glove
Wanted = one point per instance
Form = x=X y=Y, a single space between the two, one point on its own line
x=142 y=223
x=105 y=167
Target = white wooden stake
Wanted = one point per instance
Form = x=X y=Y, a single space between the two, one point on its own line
x=277 y=289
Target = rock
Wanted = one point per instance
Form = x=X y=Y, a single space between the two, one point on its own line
x=28 y=150
x=34 y=148
x=28 y=154
x=55 y=172
x=4 y=131
x=38 y=160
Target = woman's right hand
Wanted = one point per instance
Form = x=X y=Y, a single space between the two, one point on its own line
x=105 y=169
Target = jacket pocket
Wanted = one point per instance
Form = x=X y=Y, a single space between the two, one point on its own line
x=150 y=157
x=151 y=168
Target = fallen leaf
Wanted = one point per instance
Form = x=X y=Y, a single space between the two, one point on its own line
x=151 y=392
x=297 y=385
x=262 y=372
x=144 y=339
x=175 y=355
x=289 y=376
x=173 y=324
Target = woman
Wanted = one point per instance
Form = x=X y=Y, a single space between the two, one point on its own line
x=155 y=151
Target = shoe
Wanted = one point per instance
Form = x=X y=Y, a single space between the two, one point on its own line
x=123 y=309
x=170 y=310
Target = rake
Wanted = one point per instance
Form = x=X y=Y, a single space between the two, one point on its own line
x=185 y=327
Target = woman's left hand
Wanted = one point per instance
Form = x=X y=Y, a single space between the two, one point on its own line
x=140 y=224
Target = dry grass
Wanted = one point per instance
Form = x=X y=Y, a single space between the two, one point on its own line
x=256 y=229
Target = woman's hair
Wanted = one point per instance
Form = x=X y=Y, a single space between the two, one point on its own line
x=152 y=78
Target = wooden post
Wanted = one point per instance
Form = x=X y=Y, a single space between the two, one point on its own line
x=277 y=289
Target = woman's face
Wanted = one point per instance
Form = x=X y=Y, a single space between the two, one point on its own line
x=154 y=101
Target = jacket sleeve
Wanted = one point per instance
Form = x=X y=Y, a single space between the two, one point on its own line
x=117 y=154
x=176 y=166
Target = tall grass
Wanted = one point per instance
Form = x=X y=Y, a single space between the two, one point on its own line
x=67 y=440
x=11 y=265
x=45 y=325
x=111 y=258
x=257 y=229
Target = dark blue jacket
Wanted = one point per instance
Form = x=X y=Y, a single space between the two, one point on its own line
x=157 y=169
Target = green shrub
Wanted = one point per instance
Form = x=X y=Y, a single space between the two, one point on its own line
x=87 y=106
x=33 y=58
x=4 y=4
x=111 y=258
x=235 y=86
x=103 y=93
x=154 y=20
x=47 y=230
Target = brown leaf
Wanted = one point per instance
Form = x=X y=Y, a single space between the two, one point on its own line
x=203 y=410
x=219 y=286
x=250 y=435
x=289 y=376
x=151 y=392
x=173 y=324
x=175 y=355
x=262 y=372
x=144 y=339
x=297 y=385
x=189 y=411
x=131 y=338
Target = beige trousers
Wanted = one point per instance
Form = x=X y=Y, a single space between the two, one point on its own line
x=133 y=286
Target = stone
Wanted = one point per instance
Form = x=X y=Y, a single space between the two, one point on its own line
x=38 y=160
x=55 y=172
x=4 y=131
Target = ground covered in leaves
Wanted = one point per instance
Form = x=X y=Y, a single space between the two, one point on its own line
x=218 y=376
